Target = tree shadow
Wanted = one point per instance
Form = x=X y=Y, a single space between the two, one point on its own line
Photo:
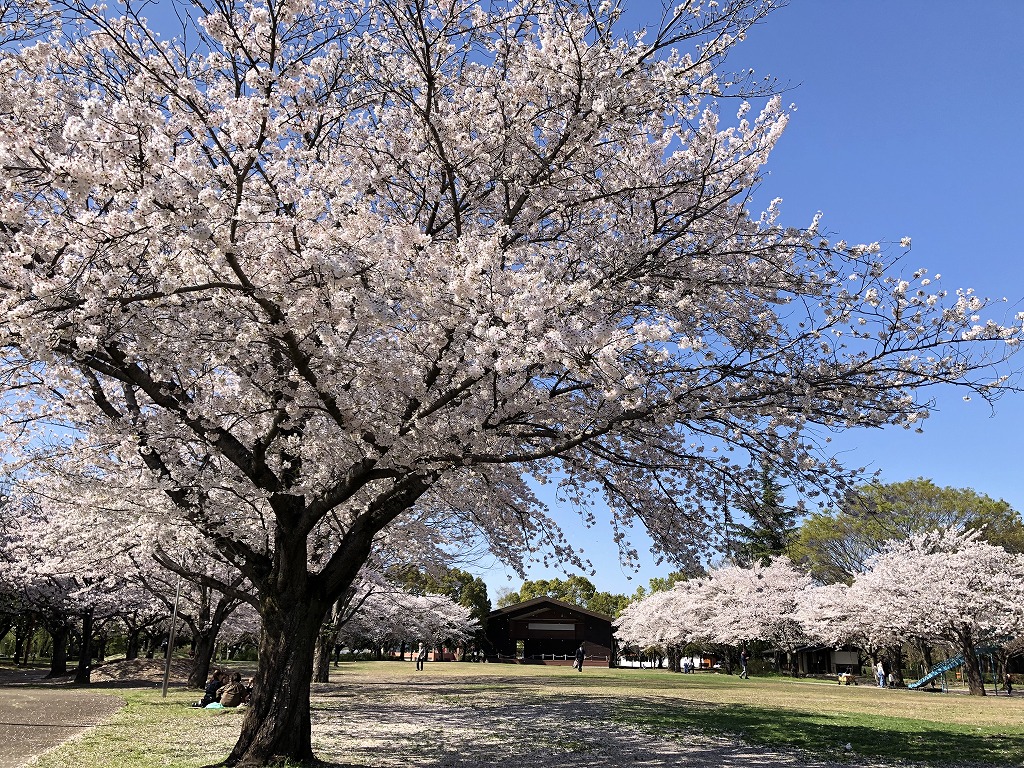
x=873 y=735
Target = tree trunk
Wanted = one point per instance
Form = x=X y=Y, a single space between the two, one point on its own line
x=972 y=669
x=22 y=634
x=82 y=674
x=897 y=668
x=29 y=634
x=322 y=658
x=59 y=657
x=205 y=644
x=151 y=640
x=926 y=652
x=131 y=650
x=277 y=725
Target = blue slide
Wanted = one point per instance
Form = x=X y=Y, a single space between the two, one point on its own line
x=937 y=670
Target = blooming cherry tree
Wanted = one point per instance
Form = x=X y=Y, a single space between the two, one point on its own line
x=732 y=605
x=946 y=587
x=342 y=262
x=389 y=614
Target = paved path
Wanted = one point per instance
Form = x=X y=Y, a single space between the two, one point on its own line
x=33 y=720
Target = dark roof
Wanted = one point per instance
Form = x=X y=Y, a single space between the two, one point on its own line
x=529 y=606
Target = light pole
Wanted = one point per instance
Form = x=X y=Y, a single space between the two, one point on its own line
x=170 y=638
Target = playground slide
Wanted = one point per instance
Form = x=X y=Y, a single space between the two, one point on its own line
x=953 y=663
x=937 y=670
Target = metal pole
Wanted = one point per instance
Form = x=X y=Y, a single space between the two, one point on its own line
x=170 y=639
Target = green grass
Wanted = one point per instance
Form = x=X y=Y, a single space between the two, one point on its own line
x=827 y=732
x=152 y=732
x=809 y=715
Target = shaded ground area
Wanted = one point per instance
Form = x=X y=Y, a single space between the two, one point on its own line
x=408 y=720
x=34 y=719
x=438 y=725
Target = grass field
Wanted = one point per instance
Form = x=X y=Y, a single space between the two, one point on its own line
x=816 y=716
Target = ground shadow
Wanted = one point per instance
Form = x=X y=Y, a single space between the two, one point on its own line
x=826 y=733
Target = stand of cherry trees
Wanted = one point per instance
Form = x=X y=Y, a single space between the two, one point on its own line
x=945 y=588
x=730 y=606
x=393 y=617
x=298 y=272
x=76 y=574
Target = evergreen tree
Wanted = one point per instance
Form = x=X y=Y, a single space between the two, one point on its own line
x=772 y=524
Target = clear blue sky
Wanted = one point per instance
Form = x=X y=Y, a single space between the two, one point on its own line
x=908 y=123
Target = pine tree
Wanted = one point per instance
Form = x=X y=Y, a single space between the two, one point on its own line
x=772 y=524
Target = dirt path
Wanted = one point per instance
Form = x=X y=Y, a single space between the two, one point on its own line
x=33 y=720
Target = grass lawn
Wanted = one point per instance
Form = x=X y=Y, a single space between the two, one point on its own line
x=777 y=712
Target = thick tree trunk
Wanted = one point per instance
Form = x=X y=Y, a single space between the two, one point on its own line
x=205 y=644
x=59 y=657
x=277 y=725
x=151 y=642
x=131 y=650
x=972 y=668
x=926 y=652
x=82 y=674
x=897 y=668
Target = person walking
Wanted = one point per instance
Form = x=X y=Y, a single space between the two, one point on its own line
x=580 y=656
x=744 y=658
x=880 y=674
x=421 y=657
x=1008 y=684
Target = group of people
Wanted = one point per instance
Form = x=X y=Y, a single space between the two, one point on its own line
x=224 y=690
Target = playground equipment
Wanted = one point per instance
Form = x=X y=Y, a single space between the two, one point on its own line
x=949 y=664
x=937 y=670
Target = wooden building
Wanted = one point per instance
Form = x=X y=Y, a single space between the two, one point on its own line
x=548 y=631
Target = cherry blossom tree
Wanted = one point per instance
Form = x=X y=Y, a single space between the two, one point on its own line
x=307 y=269
x=68 y=580
x=945 y=586
x=201 y=608
x=388 y=615
x=655 y=621
x=755 y=603
x=731 y=606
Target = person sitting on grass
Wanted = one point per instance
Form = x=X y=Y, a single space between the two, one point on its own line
x=232 y=693
x=217 y=679
x=248 y=689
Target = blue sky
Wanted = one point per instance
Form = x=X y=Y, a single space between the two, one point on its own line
x=907 y=124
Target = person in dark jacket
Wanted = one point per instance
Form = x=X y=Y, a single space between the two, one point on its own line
x=217 y=679
x=580 y=656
